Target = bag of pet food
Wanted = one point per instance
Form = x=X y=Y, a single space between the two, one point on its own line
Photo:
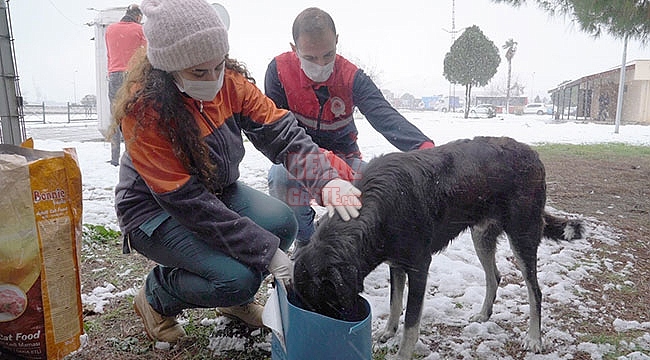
x=40 y=247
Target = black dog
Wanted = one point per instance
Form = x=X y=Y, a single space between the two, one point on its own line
x=414 y=205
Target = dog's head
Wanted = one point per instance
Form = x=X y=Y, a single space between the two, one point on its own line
x=326 y=278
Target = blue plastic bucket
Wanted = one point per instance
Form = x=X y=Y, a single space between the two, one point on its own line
x=309 y=335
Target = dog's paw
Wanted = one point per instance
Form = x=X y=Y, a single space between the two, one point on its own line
x=420 y=351
x=400 y=356
x=386 y=335
x=532 y=344
x=407 y=355
x=480 y=318
x=390 y=356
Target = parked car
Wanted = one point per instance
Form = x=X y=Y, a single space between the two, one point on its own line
x=485 y=110
x=536 y=108
x=447 y=103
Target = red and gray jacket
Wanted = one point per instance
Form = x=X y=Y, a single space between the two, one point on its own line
x=326 y=109
x=153 y=182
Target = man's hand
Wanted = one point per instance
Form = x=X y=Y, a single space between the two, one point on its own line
x=341 y=196
x=282 y=268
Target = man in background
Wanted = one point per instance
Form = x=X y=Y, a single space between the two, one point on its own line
x=123 y=38
x=322 y=89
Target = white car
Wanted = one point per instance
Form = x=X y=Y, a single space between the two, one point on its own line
x=486 y=110
x=536 y=108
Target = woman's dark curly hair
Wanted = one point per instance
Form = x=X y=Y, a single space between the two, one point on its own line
x=145 y=89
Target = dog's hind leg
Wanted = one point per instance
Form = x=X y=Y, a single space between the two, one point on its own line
x=484 y=237
x=417 y=287
x=397 y=281
x=524 y=247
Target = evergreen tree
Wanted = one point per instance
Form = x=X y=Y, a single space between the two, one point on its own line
x=472 y=61
x=619 y=18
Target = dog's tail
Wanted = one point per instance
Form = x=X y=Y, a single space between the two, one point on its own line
x=556 y=228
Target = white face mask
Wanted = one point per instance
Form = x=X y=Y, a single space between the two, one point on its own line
x=317 y=73
x=204 y=90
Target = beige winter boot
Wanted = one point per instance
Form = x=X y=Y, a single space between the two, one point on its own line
x=158 y=327
x=250 y=314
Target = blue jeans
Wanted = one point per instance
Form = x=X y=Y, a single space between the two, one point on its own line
x=293 y=193
x=193 y=273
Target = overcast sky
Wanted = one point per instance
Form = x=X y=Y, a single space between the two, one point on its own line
x=403 y=43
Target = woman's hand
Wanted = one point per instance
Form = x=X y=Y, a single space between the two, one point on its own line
x=282 y=268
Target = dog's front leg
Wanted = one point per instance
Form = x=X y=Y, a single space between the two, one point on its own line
x=417 y=287
x=397 y=281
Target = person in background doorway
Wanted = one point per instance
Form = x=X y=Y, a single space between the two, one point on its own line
x=603 y=105
x=123 y=38
x=182 y=109
x=322 y=89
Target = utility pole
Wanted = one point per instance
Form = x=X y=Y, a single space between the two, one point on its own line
x=12 y=126
x=621 y=88
x=453 y=31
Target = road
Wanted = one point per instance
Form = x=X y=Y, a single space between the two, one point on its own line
x=76 y=131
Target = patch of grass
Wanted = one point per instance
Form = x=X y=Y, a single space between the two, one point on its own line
x=621 y=342
x=590 y=263
x=594 y=151
x=382 y=352
x=615 y=277
x=131 y=345
x=100 y=233
x=91 y=327
x=194 y=328
x=621 y=283
x=628 y=289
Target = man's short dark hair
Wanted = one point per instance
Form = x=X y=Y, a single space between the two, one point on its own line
x=312 y=21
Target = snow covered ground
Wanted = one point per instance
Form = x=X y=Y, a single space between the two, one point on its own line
x=456 y=284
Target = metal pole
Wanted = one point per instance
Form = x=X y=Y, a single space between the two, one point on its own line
x=10 y=116
x=621 y=88
x=453 y=31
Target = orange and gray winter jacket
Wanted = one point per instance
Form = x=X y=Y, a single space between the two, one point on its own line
x=153 y=181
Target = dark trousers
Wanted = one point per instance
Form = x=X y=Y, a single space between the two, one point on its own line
x=115 y=80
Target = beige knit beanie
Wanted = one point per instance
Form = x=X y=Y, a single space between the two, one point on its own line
x=182 y=33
